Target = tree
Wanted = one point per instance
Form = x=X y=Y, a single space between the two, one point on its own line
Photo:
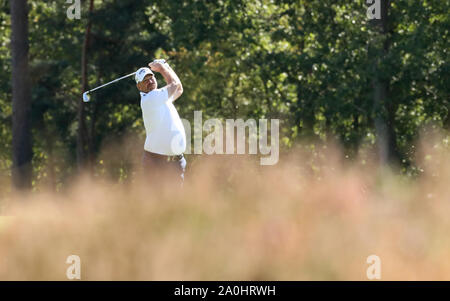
x=383 y=106
x=84 y=146
x=21 y=96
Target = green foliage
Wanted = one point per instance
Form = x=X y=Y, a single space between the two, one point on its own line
x=308 y=63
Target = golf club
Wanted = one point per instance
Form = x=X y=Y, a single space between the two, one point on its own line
x=86 y=96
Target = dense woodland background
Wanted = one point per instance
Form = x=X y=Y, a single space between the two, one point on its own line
x=321 y=67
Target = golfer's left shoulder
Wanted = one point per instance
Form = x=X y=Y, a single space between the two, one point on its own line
x=157 y=96
x=154 y=93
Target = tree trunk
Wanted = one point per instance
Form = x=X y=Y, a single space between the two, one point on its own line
x=21 y=97
x=50 y=143
x=83 y=148
x=94 y=113
x=304 y=113
x=447 y=120
x=384 y=107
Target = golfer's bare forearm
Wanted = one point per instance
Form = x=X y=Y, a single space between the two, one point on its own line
x=170 y=76
x=174 y=86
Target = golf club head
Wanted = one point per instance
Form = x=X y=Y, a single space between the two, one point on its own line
x=86 y=97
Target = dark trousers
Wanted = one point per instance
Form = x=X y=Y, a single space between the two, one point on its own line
x=158 y=167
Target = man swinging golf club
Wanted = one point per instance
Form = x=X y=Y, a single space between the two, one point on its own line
x=165 y=136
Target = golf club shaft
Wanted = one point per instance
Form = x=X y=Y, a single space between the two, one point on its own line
x=86 y=96
x=116 y=80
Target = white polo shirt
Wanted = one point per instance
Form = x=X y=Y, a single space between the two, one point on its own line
x=163 y=126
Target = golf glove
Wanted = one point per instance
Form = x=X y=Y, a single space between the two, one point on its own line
x=161 y=61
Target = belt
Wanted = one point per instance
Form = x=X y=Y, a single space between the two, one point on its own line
x=164 y=157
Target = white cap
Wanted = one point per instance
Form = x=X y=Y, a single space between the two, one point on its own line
x=141 y=73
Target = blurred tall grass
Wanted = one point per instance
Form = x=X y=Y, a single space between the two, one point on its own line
x=236 y=220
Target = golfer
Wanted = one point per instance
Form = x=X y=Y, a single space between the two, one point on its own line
x=165 y=139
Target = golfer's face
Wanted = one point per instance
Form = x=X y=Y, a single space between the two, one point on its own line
x=150 y=82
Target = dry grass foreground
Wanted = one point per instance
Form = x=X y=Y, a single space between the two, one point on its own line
x=236 y=220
